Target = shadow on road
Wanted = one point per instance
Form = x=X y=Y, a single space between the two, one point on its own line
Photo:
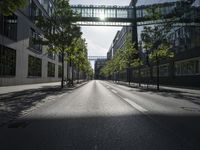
x=171 y=93
x=12 y=104
x=123 y=132
x=194 y=98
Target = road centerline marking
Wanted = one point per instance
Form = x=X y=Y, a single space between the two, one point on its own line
x=114 y=91
x=138 y=107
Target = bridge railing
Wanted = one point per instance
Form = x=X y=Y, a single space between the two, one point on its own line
x=124 y=15
x=97 y=57
x=103 y=12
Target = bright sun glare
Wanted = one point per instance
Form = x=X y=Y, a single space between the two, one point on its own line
x=102 y=16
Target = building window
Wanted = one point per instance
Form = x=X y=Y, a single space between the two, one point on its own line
x=59 y=71
x=185 y=38
x=34 y=41
x=51 y=69
x=8 y=26
x=60 y=57
x=136 y=73
x=154 y=71
x=50 y=8
x=7 y=61
x=34 y=66
x=190 y=67
x=51 y=55
x=35 y=12
x=164 y=70
x=145 y=72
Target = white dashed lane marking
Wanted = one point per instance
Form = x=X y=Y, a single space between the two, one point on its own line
x=114 y=91
x=138 y=107
x=132 y=103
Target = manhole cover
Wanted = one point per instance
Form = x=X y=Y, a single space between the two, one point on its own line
x=20 y=124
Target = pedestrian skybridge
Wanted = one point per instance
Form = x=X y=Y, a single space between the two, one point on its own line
x=94 y=58
x=104 y=15
x=101 y=15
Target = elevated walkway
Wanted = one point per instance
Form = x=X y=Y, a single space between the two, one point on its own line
x=102 y=15
x=92 y=58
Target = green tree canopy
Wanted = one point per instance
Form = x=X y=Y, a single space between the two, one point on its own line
x=7 y=7
x=154 y=39
x=123 y=58
x=59 y=30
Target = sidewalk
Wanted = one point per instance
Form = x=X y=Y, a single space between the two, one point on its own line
x=190 y=90
x=180 y=93
x=17 y=101
x=17 y=88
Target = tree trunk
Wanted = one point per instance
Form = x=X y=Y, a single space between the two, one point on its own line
x=78 y=74
x=149 y=78
x=158 y=73
x=139 y=77
x=70 y=72
x=72 y=75
x=62 y=82
x=129 y=76
x=67 y=72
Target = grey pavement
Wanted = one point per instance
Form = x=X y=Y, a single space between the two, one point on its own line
x=16 y=101
x=104 y=116
x=193 y=90
x=17 y=88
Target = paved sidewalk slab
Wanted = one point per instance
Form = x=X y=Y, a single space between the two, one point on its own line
x=17 y=101
x=17 y=88
x=192 y=90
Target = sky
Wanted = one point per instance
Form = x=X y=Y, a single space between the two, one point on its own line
x=99 y=39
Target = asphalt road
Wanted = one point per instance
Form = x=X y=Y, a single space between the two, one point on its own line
x=104 y=116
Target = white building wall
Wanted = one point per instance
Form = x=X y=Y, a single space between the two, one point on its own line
x=22 y=52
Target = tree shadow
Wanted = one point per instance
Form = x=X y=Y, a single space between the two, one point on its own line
x=172 y=93
x=120 y=132
x=182 y=95
x=14 y=103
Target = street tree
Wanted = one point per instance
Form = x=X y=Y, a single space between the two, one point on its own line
x=108 y=69
x=88 y=70
x=155 y=41
x=129 y=55
x=123 y=59
x=59 y=30
x=79 y=55
x=7 y=7
x=137 y=64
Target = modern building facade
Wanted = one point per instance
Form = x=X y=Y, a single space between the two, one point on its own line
x=184 y=68
x=21 y=60
x=118 y=41
x=98 y=65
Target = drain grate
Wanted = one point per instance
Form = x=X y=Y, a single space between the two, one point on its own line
x=19 y=124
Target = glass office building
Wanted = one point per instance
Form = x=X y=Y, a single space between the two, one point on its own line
x=184 y=68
